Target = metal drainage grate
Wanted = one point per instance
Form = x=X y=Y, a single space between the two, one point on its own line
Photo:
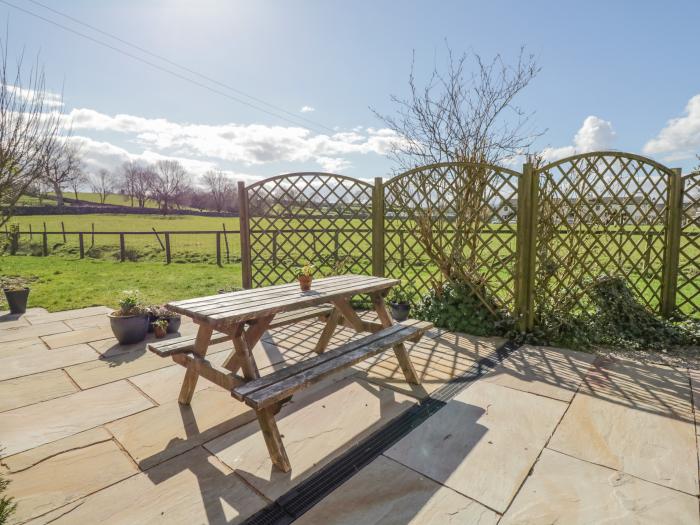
x=301 y=498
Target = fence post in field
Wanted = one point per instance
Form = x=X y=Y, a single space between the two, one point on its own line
x=218 y=248
x=674 y=216
x=377 y=227
x=526 y=240
x=63 y=230
x=244 y=219
x=92 y=240
x=228 y=253
x=167 y=247
x=81 y=244
x=122 y=248
x=31 y=235
x=45 y=242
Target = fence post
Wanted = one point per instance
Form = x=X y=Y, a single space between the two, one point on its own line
x=378 y=227
x=63 y=230
x=81 y=244
x=122 y=248
x=674 y=216
x=45 y=242
x=526 y=241
x=218 y=248
x=167 y=247
x=244 y=220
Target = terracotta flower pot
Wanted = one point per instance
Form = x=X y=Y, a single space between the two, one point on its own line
x=305 y=282
x=159 y=331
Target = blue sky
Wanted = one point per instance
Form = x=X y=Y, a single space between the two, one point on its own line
x=617 y=75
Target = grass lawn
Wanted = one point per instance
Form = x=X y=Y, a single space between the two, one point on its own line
x=64 y=284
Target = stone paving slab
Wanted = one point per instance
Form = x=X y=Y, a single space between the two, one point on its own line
x=31 y=389
x=121 y=366
x=482 y=443
x=435 y=363
x=38 y=317
x=34 y=425
x=387 y=492
x=648 y=442
x=162 y=432
x=563 y=489
x=74 y=337
x=93 y=321
x=82 y=465
x=25 y=332
x=317 y=427
x=12 y=321
x=546 y=371
x=34 y=358
x=192 y=488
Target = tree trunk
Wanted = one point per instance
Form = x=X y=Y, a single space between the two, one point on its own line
x=59 y=195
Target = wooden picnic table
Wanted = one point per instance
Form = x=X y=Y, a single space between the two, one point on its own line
x=244 y=316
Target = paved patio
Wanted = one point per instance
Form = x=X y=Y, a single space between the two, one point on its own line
x=92 y=432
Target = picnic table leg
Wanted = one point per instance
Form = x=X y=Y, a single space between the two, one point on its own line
x=349 y=314
x=273 y=440
x=399 y=350
x=251 y=337
x=201 y=344
x=328 y=330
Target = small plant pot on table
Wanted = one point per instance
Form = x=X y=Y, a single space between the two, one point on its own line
x=305 y=275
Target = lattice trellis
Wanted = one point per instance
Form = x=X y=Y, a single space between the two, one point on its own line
x=601 y=214
x=473 y=205
x=688 y=289
x=320 y=218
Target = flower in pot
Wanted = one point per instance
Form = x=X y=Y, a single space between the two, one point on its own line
x=400 y=303
x=305 y=274
x=173 y=319
x=160 y=328
x=16 y=293
x=130 y=322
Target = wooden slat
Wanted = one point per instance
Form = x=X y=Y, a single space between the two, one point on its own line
x=280 y=390
x=180 y=345
x=226 y=380
x=294 y=316
x=299 y=301
x=296 y=368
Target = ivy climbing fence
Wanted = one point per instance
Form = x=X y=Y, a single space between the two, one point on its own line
x=541 y=235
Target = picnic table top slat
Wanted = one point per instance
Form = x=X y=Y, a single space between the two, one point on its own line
x=259 y=302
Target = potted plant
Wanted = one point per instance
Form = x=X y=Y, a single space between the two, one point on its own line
x=16 y=293
x=130 y=322
x=173 y=319
x=305 y=274
x=400 y=303
x=160 y=328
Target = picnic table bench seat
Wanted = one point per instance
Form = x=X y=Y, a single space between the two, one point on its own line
x=282 y=384
x=185 y=344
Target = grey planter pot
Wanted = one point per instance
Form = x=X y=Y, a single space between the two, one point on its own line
x=174 y=324
x=131 y=329
x=399 y=311
x=17 y=300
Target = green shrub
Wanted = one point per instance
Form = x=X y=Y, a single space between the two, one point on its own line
x=7 y=503
x=456 y=307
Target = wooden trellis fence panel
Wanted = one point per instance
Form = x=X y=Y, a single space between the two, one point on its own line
x=602 y=213
x=321 y=218
x=688 y=287
x=474 y=201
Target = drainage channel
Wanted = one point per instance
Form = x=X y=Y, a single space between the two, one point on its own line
x=309 y=492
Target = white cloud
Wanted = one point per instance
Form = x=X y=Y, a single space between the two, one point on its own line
x=595 y=134
x=251 y=144
x=680 y=139
x=307 y=109
x=50 y=99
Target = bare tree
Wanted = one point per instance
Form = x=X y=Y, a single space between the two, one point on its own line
x=102 y=184
x=78 y=181
x=61 y=163
x=170 y=182
x=456 y=117
x=221 y=189
x=27 y=127
x=465 y=119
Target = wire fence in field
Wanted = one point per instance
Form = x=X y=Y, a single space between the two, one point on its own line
x=171 y=246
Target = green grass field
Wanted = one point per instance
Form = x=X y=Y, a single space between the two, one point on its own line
x=117 y=199
x=64 y=284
